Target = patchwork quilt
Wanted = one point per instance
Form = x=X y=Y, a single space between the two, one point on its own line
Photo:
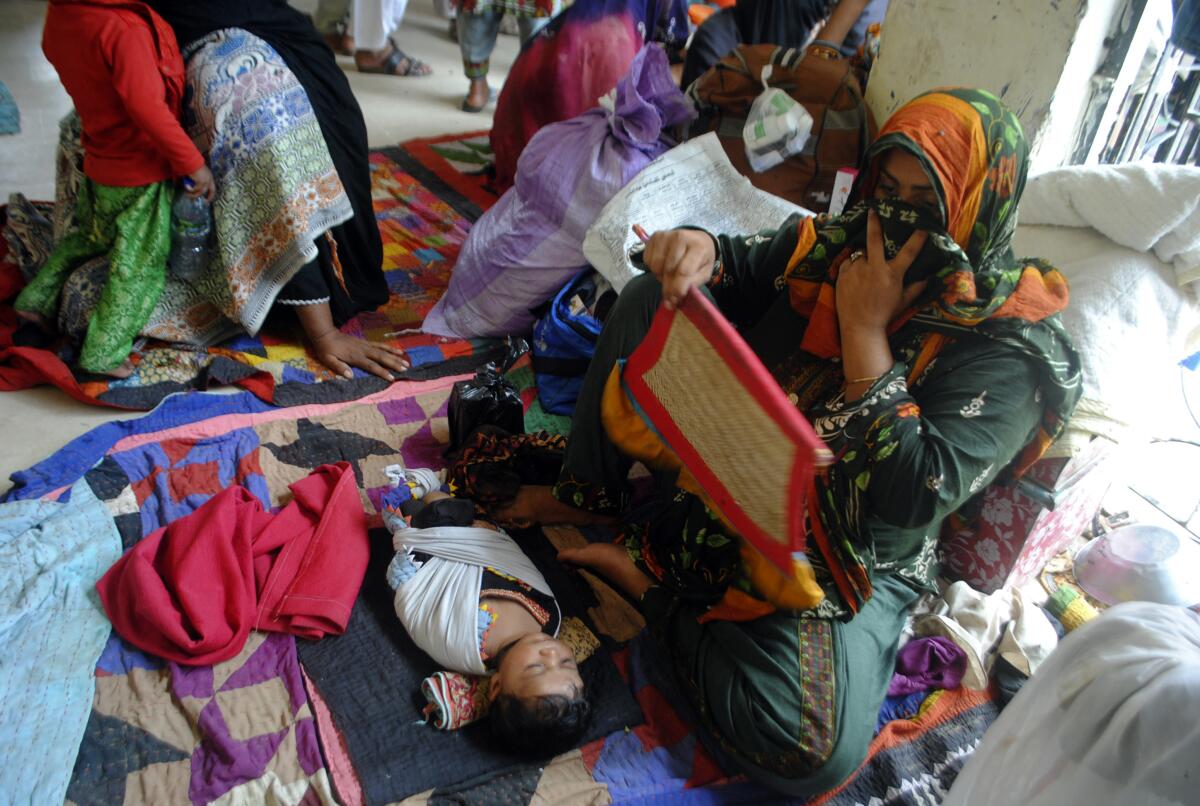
x=260 y=728
x=279 y=723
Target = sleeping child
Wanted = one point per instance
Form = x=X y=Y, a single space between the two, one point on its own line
x=121 y=66
x=473 y=601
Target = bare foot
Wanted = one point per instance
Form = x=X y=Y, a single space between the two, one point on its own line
x=123 y=370
x=478 y=96
x=43 y=323
x=537 y=504
x=611 y=562
x=340 y=352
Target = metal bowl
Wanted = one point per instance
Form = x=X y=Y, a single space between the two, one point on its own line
x=1141 y=563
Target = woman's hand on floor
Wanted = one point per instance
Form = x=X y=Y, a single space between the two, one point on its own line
x=611 y=562
x=340 y=352
x=681 y=259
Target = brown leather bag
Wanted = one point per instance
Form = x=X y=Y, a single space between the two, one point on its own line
x=828 y=87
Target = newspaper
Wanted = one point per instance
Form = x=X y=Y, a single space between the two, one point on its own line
x=693 y=184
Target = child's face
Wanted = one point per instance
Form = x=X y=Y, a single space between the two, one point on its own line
x=538 y=666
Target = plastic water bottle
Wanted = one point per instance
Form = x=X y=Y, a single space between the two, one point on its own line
x=191 y=226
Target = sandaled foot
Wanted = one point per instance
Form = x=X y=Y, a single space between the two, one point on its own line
x=611 y=562
x=391 y=61
x=43 y=323
x=341 y=44
x=340 y=353
x=478 y=96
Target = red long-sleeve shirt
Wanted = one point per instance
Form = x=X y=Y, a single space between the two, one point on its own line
x=121 y=66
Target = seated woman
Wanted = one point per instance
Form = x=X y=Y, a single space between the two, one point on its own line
x=574 y=61
x=293 y=217
x=928 y=359
x=473 y=601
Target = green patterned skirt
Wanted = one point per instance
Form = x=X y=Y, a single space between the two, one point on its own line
x=132 y=225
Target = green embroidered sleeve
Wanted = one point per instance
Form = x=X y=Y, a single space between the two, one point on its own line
x=750 y=277
x=909 y=457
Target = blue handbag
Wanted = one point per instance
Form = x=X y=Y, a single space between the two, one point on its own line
x=564 y=339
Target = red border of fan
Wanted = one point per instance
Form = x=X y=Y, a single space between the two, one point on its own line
x=751 y=373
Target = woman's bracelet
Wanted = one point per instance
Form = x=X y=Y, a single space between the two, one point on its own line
x=718 y=267
x=718 y=273
x=825 y=49
x=869 y=379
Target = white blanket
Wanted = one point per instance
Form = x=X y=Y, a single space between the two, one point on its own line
x=1146 y=207
x=1124 y=237
x=1112 y=717
x=439 y=604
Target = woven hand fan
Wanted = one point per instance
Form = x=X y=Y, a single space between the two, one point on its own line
x=718 y=408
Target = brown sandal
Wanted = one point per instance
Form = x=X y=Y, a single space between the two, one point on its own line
x=340 y=44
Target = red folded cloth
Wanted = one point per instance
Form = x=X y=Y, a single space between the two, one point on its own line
x=192 y=591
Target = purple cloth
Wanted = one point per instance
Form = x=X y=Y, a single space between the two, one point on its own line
x=530 y=243
x=928 y=663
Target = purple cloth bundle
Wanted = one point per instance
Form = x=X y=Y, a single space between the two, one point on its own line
x=928 y=663
x=530 y=243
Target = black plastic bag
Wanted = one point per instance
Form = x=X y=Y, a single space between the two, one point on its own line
x=487 y=399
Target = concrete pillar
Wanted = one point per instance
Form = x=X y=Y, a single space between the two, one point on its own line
x=1036 y=55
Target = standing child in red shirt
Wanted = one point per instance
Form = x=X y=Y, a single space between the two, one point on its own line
x=121 y=66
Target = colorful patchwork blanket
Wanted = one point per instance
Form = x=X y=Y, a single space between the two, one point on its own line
x=278 y=724
x=291 y=722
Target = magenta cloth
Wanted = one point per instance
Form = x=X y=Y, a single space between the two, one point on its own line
x=191 y=591
x=530 y=243
x=928 y=663
x=573 y=62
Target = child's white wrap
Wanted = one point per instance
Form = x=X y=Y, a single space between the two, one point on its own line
x=439 y=604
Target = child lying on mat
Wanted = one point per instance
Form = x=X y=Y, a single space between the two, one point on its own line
x=473 y=601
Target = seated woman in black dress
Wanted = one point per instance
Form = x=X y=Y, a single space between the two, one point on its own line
x=287 y=144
